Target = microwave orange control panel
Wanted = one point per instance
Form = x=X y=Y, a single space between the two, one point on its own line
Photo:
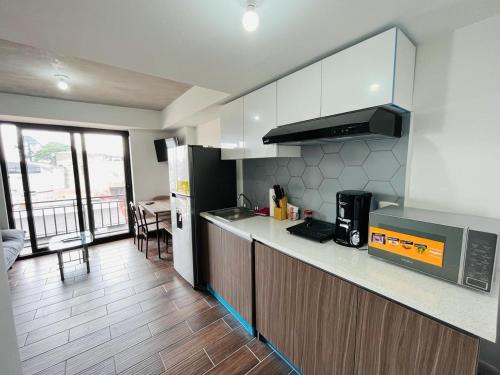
x=413 y=247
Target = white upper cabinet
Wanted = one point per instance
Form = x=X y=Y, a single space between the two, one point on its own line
x=260 y=117
x=299 y=95
x=377 y=71
x=231 y=124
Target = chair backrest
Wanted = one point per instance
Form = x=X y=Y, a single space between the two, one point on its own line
x=142 y=218
x=133 y=209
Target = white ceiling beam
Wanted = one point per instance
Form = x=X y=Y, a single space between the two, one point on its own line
x=34 y=109
x=195 y=106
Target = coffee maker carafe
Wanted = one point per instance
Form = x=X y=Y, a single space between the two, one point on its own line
x=351 y=226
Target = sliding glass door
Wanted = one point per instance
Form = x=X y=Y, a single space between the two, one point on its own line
x=49 y=169
x=61 y=180
x=107 y=183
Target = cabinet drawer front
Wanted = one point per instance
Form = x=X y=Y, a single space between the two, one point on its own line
x=393 y=340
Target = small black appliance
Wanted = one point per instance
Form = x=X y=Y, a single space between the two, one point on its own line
x=313 y=229
x=351 y=226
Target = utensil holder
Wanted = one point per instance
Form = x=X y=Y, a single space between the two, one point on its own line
x=280 y=212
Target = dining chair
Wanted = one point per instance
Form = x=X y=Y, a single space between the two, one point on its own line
x=137 y=225
x=148 y=230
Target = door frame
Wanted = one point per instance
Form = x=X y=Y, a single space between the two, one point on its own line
x=72 y=130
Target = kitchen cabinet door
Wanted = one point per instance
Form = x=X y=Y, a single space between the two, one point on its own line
x=259 y=118
x=360 y=76
x=308 y=314
x=212 y=256
x=393 y=340
x=377 y=71
x=237 y=286
x=299 y=95
x=229 y=268
x=275 y=298
x=231 y=132
x=259 y=110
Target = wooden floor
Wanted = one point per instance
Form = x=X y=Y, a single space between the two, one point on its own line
x=130 y=315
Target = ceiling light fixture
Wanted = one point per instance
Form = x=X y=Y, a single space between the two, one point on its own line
x=250 y=19
x=62 y=82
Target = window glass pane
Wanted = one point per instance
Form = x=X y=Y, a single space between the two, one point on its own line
x=11 y=153
x=51 y=181
x=105 y=155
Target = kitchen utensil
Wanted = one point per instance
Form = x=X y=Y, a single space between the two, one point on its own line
x=272 y=203
x=276 y=201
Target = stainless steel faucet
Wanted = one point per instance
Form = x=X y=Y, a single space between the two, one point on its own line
x=245 y=198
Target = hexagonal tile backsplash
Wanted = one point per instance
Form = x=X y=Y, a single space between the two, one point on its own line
x=312 y=181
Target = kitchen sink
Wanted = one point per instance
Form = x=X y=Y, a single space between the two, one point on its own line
x=234 y=213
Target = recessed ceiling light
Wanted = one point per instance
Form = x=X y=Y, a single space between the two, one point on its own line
x=250 y=18
x=374 y=87
x=256 y=117
x=62 y=82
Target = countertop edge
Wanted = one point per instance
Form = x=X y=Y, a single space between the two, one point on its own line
x=245 y=235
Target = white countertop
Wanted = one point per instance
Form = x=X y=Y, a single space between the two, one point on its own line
x=469 y=310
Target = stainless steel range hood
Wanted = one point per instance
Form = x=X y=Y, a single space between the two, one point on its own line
x=377 y=122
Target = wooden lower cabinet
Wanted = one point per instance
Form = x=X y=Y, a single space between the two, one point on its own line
x=325 y=325
x=393 y=340
x=228 y=268
x=307 y=314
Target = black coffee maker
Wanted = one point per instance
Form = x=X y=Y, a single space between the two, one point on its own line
x=351 y=226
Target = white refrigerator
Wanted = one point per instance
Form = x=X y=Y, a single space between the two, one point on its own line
x=199 y=181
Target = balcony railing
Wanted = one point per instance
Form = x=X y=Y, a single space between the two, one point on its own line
x=53 y=218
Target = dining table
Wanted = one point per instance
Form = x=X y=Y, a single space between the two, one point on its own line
x=157 y=209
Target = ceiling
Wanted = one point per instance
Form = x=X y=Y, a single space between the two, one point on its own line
x=31 y=71
x=202 y=42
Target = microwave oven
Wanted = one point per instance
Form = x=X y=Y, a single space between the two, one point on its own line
x=457 y=248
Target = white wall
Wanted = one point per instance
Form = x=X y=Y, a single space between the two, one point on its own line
x=66 y=112
x=186 y=135
x=149 y=177
x=195 y=106
x=9 y=356
x=455 y=149
x=208 y=134
x=454 y=156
